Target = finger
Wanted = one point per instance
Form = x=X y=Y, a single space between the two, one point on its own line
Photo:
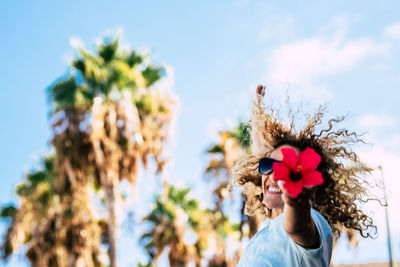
x=287 y=199
x=302 y=198
x=281 y=186
x=285 y=196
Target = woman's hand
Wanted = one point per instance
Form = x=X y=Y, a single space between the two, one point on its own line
x=304 y=198
x=260 y=90
x=297 y=220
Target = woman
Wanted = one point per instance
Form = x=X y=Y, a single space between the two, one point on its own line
x=300 y=181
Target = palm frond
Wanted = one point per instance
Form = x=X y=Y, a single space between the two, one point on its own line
x=63 y=93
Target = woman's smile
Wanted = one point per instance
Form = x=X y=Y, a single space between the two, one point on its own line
x=273 y=189
x=272 y=193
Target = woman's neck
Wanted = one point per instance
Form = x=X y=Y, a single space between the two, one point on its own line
x=276 y=212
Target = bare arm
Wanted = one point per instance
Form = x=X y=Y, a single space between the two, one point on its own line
x=297 y=220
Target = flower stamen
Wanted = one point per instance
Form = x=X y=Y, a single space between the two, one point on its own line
x=295 y=176
x=299 y=168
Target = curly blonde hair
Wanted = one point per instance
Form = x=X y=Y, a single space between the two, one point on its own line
x=344 y=185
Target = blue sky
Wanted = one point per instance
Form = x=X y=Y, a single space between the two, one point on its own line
x=344 y=53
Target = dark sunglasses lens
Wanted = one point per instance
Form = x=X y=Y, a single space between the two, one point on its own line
x=265 y=165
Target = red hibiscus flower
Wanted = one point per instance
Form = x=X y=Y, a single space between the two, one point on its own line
x=298 y=170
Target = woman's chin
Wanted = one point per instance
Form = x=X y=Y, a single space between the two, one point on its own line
x=273 y=201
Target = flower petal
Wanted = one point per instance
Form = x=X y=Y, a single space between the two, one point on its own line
x=309 y=159
x=293 y=188
x=289 y=157
x=312 y=178
x=280 y=171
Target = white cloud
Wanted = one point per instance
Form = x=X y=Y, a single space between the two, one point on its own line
x=393 y=31
x=374 y=121
x=303 y=63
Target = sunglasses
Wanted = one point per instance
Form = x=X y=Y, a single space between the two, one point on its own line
x=265 y=165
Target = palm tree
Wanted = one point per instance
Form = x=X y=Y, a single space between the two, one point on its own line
x=173 y=215
x=224 y=154
x=54 y=222
x=107 y=118
x=169 y=219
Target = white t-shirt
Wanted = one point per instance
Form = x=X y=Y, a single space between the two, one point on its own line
x=271 y=246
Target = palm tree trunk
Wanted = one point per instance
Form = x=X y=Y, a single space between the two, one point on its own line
x=113 y=224
x=176 y=259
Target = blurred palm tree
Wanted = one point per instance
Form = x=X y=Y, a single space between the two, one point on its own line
x=176 y=218
x=54 y=222
x=231 y=145
x=107 y=118
x=173 y=214
x=224 y=154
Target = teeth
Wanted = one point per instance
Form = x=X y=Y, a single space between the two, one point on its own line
x=274 y=189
